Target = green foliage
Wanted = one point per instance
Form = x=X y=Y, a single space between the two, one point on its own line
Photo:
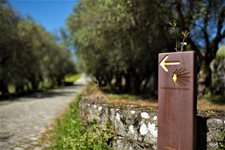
x=221 y=51
x=174 y=24
x=71 y=133
x=205 y=20
x=184 y=33
x=217 y=87
x=221 y=140
x=29 y=54
x=47 y=83
x=119 y=39
x=217 y=99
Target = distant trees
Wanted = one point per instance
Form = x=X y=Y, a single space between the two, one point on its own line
x=29 y=54
x=119 y=40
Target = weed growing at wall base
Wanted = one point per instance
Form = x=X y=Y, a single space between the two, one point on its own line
x=71 y=133
x=221 y=140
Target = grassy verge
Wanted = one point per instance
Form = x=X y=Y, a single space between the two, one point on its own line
x=72 y=78
x=123 y=96
x=71 y=133
x=42 y=87
x=213 y=103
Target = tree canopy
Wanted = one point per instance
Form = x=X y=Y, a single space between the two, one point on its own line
x=118 y=41
x=29 y=54
x=206 y=21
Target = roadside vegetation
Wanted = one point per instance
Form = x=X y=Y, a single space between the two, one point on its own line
x=31 y=58
x=70 y=132
x=72 y=78
x=204 y=104
x=115 y=41
x=118 y=41
x=43 y=86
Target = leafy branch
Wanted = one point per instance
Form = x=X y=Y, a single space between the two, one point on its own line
x=184 y=33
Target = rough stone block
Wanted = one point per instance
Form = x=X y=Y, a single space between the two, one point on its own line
x=137 y=129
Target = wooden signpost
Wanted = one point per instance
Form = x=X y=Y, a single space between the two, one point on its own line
x=177 y=91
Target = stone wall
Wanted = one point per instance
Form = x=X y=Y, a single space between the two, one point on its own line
x=137 y=128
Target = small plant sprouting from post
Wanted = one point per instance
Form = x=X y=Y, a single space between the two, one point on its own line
x=96 y=83
x=184 y=33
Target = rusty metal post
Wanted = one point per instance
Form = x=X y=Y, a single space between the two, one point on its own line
x=177 y=102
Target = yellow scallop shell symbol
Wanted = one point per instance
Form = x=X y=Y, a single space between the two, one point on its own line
x=180 y=76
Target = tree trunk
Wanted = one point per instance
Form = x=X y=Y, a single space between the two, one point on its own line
x=28 y=87
x=119 y=81
x=146 y=83
x=205 y=78
x=3 y=88
x=19 y=89
x=127 y=78
x=137 y=85
x=34 y=85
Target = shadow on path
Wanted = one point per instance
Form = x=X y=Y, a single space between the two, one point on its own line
x=63 y=91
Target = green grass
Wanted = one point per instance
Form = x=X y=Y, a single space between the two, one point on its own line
x=217 y=99
x=122 y=96
x=72 y=78
x=71 y=133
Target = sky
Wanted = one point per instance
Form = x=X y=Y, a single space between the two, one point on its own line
x=51 y=14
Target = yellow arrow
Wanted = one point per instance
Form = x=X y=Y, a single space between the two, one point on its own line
x=163 y=63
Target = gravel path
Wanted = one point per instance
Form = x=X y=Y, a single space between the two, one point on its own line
x=23 y=120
